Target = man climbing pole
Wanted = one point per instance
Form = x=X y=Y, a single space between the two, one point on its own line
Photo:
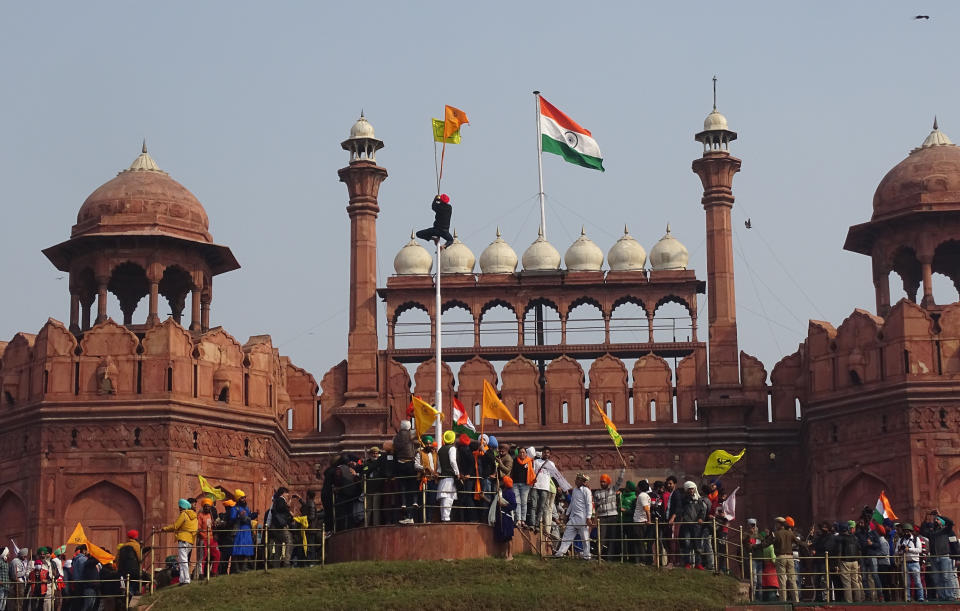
x=441 y=221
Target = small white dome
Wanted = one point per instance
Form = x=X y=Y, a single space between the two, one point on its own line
x=715 y=121
x=583 y=255
x=627 y=254
x=498 y=257
x=413 y=259
x=362 y=128
x=456 y=258
x=936 y=138
x=541 y=256
x=669 y=253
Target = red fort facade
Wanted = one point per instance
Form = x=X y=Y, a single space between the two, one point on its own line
x=109 y=422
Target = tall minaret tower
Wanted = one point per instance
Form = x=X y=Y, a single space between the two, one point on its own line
x=363 y=177
x=716 y=169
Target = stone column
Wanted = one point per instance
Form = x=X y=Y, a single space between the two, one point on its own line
x=650 y=328
x=86 y=304
x=74 y=311
x=606 y=328
x=926 y=267
x=102 y=282
x=205 y=300
x=563 y=330
x=154 y=274
x=195 y=310
x=520 y=338
x=881 y=284
x=476 y=331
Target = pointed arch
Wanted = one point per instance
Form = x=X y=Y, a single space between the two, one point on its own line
x=13 y=517
x=860 y=490
x=106 y=511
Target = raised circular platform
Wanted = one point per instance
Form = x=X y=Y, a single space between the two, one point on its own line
x=437 y=541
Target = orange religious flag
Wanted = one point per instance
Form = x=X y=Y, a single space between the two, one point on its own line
x=453 y=118
x=493 y=407
x=80 y=538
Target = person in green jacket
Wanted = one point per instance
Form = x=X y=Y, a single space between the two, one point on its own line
x=628 y=503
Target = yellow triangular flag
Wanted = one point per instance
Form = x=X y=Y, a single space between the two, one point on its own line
x=78 y=537
x=425 y=415
x=493 y=407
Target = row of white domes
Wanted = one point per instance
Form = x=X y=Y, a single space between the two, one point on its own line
x=583 y=255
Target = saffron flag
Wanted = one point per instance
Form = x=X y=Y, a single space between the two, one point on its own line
x=493 y=407
x=304 y=525
x=720 y=461
x=561 y=135
x=453 y=118
x=80 y=538
x=454 y=138
x=208 y=489
x=730 y=505
x=462 y=422
x=424 y=415
x=881 y=511
x=614 y=435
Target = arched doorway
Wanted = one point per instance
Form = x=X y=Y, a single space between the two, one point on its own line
x=13 y=520
x=862 y=491
x=106 y=511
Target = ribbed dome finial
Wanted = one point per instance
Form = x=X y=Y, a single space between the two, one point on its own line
x=935 y=122
x=143 y=149
x=498 y=257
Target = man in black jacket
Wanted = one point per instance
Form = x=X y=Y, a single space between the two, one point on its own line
x=279 y=529
x=938 y=529
x=441 y=221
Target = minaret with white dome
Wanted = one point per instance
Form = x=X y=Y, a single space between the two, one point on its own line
x=716 y=169
x=498 y=257
x=363 y=177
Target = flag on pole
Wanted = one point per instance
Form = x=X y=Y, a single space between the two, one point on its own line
x=454 y=138
x=208 y=489
x=424 y=415
x=14 y=547
x=453 y=118
x=881 y=511
x=561 y=135
x=614 y=435
x=80 y=538
x=492 y=406
x=720 y=461
x=462 y=422
x=730 y=505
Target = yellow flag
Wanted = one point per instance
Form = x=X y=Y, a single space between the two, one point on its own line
x=208 y=489
x=438 y=133
x=425 y=415
x=453 y=118
x=80 y=538
x=720 y=462
x=493 y=407
x=302 y=521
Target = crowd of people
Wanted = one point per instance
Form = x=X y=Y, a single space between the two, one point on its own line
x=51 y=580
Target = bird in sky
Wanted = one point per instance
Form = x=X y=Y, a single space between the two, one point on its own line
x=747 y=224
x=922 y=17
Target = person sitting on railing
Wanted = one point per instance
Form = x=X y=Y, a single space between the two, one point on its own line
x=449 y=475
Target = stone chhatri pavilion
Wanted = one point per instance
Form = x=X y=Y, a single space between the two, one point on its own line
x=109 y=422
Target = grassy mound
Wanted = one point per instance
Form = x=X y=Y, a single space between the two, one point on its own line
x=526 y=582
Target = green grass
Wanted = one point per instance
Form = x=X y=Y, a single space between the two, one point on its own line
x=525 y=582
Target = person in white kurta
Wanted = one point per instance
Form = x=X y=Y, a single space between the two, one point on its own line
x=579 y=513
x=449 y=474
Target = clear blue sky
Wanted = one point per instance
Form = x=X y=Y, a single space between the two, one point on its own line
x=246 y=104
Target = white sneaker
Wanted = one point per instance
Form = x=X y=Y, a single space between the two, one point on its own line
x=406 y=521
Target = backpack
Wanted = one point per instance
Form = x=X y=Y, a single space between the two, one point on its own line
x=657 y=510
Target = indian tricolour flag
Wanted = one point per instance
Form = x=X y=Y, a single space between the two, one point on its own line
x=563 y=136
x=882 y=510
x=461 y=421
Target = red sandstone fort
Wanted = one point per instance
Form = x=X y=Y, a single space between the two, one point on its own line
x=109 y=422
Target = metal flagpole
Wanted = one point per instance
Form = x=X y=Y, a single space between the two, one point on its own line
x=543 y=213
x=438 y=395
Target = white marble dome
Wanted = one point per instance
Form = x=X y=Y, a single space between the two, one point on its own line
x=456 y=258
x=669 y=253
x=715 y=121
x=362 y=128
x=583 y=255
x=498 y=257
x=541 y=256
x=627 y=254
x=413 y=259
